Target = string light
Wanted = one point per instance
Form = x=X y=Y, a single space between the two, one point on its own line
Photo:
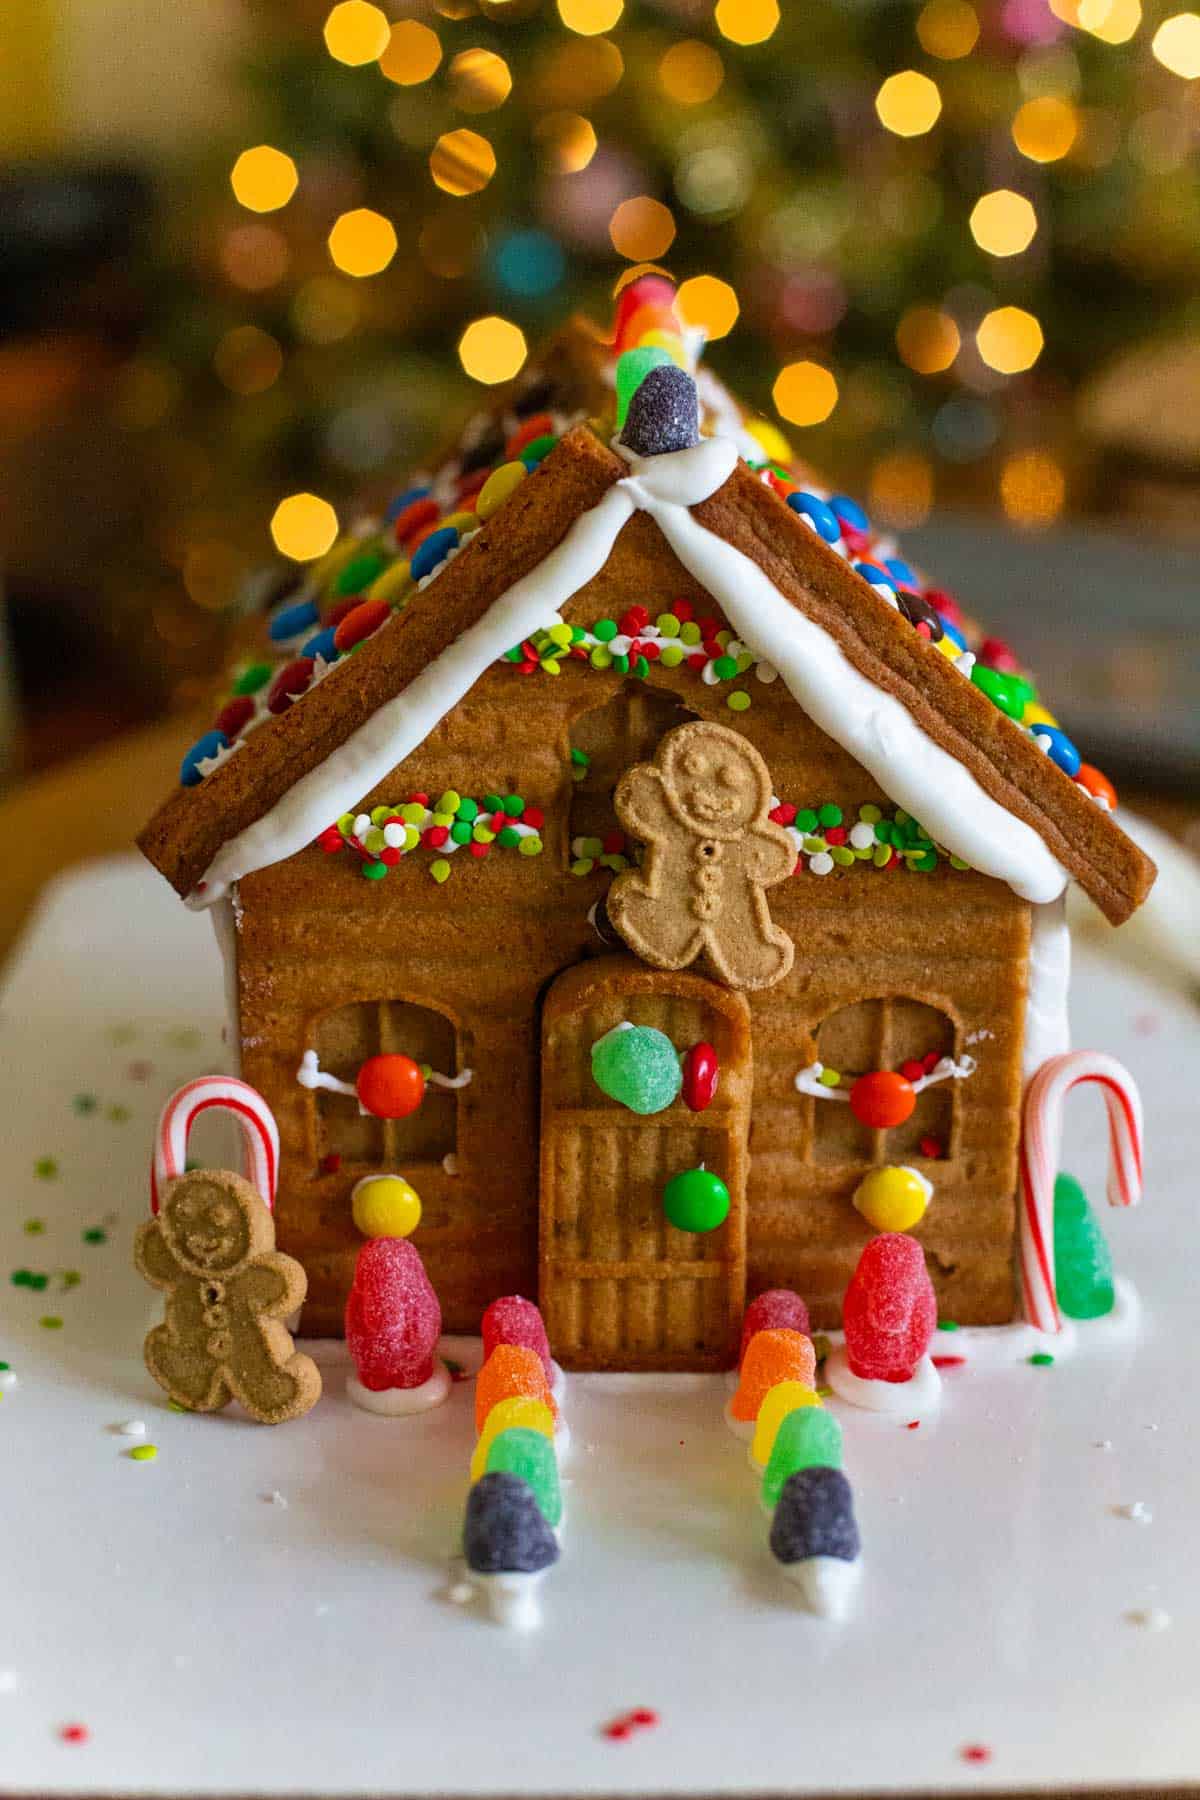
x=690 y=72
x=590 y=17
x=805 y=393
x=568 y=139
x=1112 y=21
x=1009 y=340
x=927 y=339
x=264 y=179
x=1176 y=44
x=479 y=81
x=642 y=229
x=412 y=54
x=248 y=360
x=492 y=349
x=747 y=21
x=1033 y=488
x=356 y=32
x=909 y=103
x=462 y=162
x=1045 y=128
x=948 y=29
x=362 y=242
x=705 y=300
x=303 y=527
x=1003 y=223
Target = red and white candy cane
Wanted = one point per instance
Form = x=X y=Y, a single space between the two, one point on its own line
x=260 y=1134
x=1041 y=1140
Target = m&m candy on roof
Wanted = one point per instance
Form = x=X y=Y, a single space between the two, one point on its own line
x=190 y=773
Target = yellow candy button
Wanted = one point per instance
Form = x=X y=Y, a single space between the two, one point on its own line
x=385 y=1206
x=499 y=485
x=893 y=1198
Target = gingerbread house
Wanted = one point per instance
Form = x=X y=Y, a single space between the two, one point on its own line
x=404 y=826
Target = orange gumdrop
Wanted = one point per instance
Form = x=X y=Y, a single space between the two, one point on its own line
x=650 y=317
x=771 y=1357
x=510 y=1370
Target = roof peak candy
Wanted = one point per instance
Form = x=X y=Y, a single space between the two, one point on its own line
x=663 y=414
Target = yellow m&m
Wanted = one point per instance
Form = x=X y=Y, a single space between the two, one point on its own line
x=893 y=1198
x=385 y=1206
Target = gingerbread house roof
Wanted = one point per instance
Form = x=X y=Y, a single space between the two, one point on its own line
x=477 y=562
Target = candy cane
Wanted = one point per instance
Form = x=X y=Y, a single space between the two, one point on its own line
x=260 y=1134
x=1041 y=1141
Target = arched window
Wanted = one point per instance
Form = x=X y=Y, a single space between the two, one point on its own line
x=607 y=740
x=343 y=1041
x=884 y=1033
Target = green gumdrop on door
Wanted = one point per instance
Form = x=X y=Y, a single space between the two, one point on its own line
x=1083 y=1267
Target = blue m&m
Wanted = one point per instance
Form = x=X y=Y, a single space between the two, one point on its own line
x=850 y=512
x=434 y=550
x=899 y=571
x=821 y=517
x=874 y=574
x=322 y=645
x=190 y=773
x=1058 y=747
x=952 y=632
x=397 y=506
x=292 y=621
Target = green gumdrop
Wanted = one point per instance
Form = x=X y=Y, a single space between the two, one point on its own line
x=530 y=1454
x=807 y=1437
x=632 y=369
x=637 y=1066
x=1083 y=1268
x=1001 y=690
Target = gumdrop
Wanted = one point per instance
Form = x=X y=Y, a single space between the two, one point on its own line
x=782 y=1399
x=529 y=1454
x=815 y=1517
x=504 y=1532
x=1083 y=1268
x=632 y=369
x=890 y=1312
x=510 y=1370
x=664 y=414
x=514 y=1320
x=771 y=1357
x=515 y=1414
x=808 y=1438
x=777 y=1309
x=393 y=1320
x=647 y=290
x=637 y=1066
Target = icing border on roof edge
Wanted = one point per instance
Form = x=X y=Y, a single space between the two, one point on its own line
x=872 y=726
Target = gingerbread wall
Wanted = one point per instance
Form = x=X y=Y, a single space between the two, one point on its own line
x=480 y=949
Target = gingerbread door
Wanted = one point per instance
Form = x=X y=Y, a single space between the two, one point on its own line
x=621 y=1287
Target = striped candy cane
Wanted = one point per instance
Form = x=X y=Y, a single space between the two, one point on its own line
x=260 y=1134
x=1041 y=1141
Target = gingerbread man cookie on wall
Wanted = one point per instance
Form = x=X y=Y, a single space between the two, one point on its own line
x=211 y=1249
x=701 y=810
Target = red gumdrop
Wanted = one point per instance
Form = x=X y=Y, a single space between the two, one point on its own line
x=890 y=1310
x=776 y=1310
x=701 y=1073
x=882 y=1099
x=515 y=1320
x=390 y=1086
x=393 y=1320
x=291 y=681
x=647 y=290
x=235 y=715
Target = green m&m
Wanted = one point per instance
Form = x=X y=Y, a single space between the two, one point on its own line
x=696 y=1200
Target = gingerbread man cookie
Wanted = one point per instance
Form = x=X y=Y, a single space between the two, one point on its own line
x=212 y=1251
x=701 y=810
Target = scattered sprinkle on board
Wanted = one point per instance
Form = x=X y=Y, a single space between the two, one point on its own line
x=143 y=1453
x=1041 y=1359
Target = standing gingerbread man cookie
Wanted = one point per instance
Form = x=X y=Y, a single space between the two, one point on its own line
x=211 y=1248
x=701 y=810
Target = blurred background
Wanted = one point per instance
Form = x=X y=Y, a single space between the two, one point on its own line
x=951 y=248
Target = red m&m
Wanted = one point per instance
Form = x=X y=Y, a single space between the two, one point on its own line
x=390 y=1086
x=882 y=1099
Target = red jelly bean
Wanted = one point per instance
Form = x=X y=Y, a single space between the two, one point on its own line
x=291 y=681
x=882 y=1099
x=416 y=515
x=367 y=617
x=890 y=1310
x=701 y=1073
x=235 y=715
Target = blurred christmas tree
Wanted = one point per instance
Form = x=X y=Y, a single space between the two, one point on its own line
x=912 y=230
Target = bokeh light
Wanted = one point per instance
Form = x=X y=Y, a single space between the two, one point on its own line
x=747 y=21
x=1176 y=44
x=462 y=162
x=900 y=490
x=805 y=393
x=1045 y=128
x=479 y=81
x=264 y=179
x=303 y=527
x=412 y=54
x=948 y=29
x=642 y=229
x=449 y=243
x=690 y=72
x=1033 y=488
x=909 y=103
x=212 y=573
x=927 y=339
x=706 y=300
x=568 y=141
x=362 y=242
x=1003 y=223
x=255 y=257
x=530 y=263
x=1112 y=21
x=590 y=17
x=1009 y=340
x=248 y=360
x=356 y=32
x=573 y=76
x=326 y=309
x=492 y=349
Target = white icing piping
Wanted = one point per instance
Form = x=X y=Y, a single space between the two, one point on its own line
x=1047 y=1027
x=871 y=725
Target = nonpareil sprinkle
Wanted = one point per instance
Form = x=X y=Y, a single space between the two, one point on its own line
x=143 y=1453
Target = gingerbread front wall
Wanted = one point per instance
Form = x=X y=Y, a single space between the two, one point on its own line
x=888 y=964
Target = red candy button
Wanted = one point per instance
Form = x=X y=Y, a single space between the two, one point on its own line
x=701 y=1073
x=416 y=514
x=391 y=1087
x=291 y=681
x=367 y=617
x=235 y=715
x=882 y=1100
